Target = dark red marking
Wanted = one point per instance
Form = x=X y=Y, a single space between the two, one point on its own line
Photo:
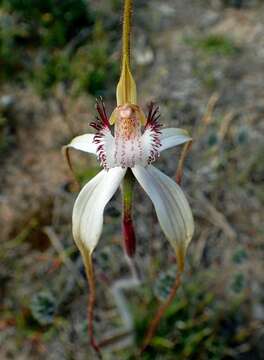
x=129 y=236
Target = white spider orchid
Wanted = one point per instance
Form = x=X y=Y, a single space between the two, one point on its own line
x=134 y=143
x=126 y=144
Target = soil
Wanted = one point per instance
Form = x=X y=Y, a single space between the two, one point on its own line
x=203 y=63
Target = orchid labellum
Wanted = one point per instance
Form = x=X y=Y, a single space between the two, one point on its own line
x=127 y=144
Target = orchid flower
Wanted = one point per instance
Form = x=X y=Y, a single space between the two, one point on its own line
x=134 y=142
x=127 y=144
x=129 y=140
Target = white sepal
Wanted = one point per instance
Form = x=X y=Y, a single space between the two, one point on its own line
x=87 y=217
x=171 y=137
x=83 y=143
x=172 y=208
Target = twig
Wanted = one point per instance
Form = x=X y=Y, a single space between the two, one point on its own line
x=77 y=40
x=124 y=336
x=225 y=124
x=66 y=154
x=200 y=246
x=159 y=314
x=64 y=115
x=55 y=241
x=184 y=153
x=207 y=118
x=217 y=218
x=114 y=338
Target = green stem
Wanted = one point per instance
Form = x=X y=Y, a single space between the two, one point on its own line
x=126 y=32
x=128 y=185
x=127 y=219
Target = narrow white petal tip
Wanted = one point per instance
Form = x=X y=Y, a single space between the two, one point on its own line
x=172 y=208
x=83 y=143
x=171 y=137
x=87 y=217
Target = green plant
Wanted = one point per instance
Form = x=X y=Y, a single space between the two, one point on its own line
x=214 y=45
x=43 y=307
x=195 y=325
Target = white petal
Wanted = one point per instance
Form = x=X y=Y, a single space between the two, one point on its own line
x=173 y=211
x=171 y=137
x=87 y=217
x=84 y=143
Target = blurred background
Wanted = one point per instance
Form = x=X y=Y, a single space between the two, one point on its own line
x=202 y=61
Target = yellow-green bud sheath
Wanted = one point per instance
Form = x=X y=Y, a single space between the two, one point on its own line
x=126 y=92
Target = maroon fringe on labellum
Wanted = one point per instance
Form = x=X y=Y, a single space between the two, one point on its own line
x=101 y=124
x=102 y=120
x=153 y=117
x=154 y=126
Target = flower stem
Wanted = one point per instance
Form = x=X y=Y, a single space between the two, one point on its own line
x=126 y=32
x=91 y=300
x=127 y=219
x=159 y=314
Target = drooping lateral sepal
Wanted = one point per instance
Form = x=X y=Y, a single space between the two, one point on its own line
x=172 y=208
x=87 y=217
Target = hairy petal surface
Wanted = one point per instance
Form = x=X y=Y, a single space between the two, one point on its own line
x=105 y=148
x=171 y=137
x=87 y=217
x=172 y=208
x=83 y=143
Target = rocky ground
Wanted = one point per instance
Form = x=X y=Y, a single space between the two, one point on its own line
x=203 y=63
